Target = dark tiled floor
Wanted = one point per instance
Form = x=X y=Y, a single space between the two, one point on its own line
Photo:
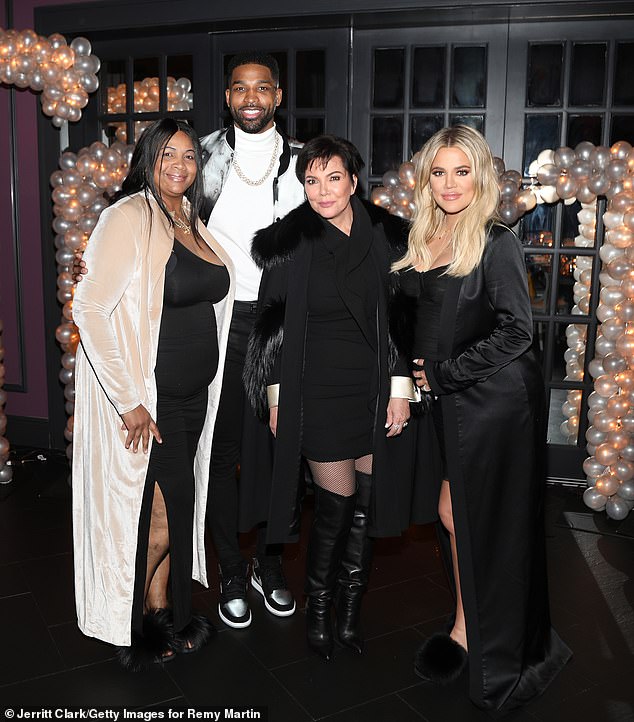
x=47 y=661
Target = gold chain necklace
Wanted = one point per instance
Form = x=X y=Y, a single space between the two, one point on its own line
x=248 y=181
x=179 y=223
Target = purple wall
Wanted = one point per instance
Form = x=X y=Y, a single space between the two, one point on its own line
x=33 y=401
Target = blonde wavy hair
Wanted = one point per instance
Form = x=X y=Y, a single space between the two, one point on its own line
x=470 y=233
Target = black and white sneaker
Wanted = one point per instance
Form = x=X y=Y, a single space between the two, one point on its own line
x=268 y=579
x=233 y=607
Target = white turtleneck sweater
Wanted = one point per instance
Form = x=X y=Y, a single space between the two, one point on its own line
x=242 y=209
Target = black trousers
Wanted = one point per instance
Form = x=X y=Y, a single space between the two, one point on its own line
x=222 y=500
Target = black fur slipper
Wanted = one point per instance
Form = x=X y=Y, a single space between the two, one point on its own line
x=440 y=659
x=195 y=635
x=155 y=644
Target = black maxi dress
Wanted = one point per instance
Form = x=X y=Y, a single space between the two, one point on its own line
x=187 y=361
x=490 y=422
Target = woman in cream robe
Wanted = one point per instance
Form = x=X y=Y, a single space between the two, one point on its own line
x=121 y=302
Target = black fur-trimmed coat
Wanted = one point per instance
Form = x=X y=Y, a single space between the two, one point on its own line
x=275 y=353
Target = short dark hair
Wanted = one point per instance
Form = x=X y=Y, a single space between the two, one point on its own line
x=146 y=152
x=254 y=58
x=322 y=149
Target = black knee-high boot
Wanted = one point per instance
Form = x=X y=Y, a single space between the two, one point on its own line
x=355 y=568
x=328 y=535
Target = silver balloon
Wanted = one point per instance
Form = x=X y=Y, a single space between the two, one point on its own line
x=603 y=421
x=548 y=175
x=624 y=469
x=616 y=170
x=600 y=157
x=81 y=46
x=596 y=368
x=594 y=436
x=564 y=157
x=604 y=346
x=626 y=490
x=597 y=402
x=598 y=184
x=594 y=499
x=617 y=508
x=591 y=467
x=584 y=150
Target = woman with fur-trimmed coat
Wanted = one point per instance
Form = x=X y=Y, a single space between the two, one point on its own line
x=318 y=371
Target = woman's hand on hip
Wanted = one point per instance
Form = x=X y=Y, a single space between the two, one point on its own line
x=397 y=416
x=420 y=377
x=140 y=426
x=273 y=419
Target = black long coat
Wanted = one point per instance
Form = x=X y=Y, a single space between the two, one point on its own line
x=276 y=347
x=492 y=396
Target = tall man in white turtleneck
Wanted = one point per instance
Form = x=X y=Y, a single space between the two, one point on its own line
x=249 y=176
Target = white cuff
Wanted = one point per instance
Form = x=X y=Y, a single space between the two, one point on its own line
x=403 y=387
x=273 y=395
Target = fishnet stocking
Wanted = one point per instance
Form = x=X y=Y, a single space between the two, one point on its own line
x=338 y=477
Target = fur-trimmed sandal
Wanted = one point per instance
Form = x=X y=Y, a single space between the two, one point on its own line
x=195 y=635
x=156 y=644
x=440 y=659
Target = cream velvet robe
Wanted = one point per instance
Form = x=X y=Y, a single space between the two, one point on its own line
x=117 y=307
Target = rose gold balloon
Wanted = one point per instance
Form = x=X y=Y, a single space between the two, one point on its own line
x=625 y=311
x=607 y=484
x=625 y=380
x=618 y=405
x=606 y=454
x=625 y=345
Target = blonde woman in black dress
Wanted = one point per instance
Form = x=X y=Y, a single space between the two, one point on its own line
x=473 y=351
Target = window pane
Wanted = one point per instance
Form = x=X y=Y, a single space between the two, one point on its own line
x=536 y=227
x=587 y=79
x=565 y=341
x=180 y=75
x=473 y=121
x=112 y=132
x=146 y=85
x=469 y=81
x=310 y=79
x=387 y=144
x=584 y=127
x=570 y=224
x=622 y=128
x=428 y=77
x=623 y=86
x=545 y=63
x=541 y=131
x=563 y=416
x=539 y=270
x=307 y=128
x=388 y=78
x=113 y=90
x=422 y=129
x=540 y=335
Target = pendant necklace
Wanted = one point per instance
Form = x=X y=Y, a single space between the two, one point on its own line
x=179 y=223
x=443 y=245
x=246 y=179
